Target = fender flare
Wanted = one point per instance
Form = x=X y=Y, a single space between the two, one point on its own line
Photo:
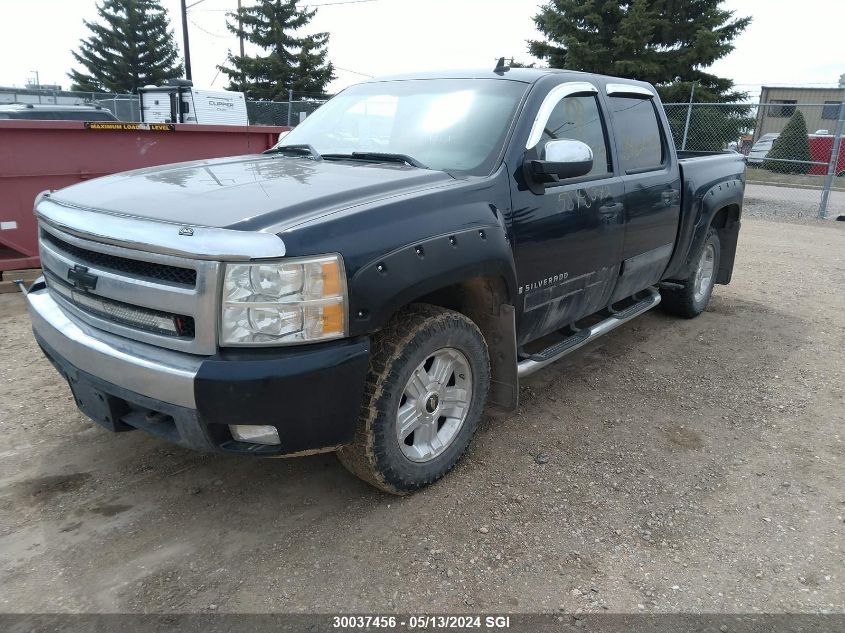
x=718 y=197
x=384 y=285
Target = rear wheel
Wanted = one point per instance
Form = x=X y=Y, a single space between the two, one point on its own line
x=428 y=381
x=691 y=298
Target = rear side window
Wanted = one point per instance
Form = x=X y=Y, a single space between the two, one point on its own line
x=637 y=129
x=579 y=118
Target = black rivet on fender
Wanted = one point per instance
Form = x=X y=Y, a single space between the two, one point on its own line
x=482 y=235
x=453 y=241
x=361 y=314
x=381 y=268
x=420 y=252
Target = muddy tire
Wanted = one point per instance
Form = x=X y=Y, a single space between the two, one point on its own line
x=425 y=392
x=690 y=300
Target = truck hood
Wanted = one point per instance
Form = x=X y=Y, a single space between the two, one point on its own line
x=251 y=193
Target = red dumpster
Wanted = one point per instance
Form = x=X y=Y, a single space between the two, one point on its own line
x=821 y=148
x=39 y=155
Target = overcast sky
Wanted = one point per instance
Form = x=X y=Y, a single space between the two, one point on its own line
x=788 y=42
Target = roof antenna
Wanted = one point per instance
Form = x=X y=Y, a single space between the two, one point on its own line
x=501 y=67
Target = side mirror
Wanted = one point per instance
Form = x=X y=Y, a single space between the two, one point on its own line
x=564 y=158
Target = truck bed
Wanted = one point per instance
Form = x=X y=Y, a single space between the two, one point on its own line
x=713 y=180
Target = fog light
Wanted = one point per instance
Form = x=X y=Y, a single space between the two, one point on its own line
x=255 y=434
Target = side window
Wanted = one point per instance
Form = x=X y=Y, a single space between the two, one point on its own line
x=637 y=130
x=579 y=118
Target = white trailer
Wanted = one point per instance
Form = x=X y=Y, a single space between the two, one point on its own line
x=180 y=102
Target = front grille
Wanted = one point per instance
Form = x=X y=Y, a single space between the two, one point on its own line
x=155 y=321
x=149 y=270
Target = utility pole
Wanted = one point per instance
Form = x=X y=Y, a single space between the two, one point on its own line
x=37 y=84
x=185 y=41
x=689 y=115
x=241 y=38
x=290 y=105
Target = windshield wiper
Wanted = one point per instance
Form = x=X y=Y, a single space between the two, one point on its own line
x=379 y=157
x=302 y=149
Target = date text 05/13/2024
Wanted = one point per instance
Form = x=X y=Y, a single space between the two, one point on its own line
x=421 y=622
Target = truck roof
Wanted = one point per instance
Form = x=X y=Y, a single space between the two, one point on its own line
x=52 y=107
x=524 y=75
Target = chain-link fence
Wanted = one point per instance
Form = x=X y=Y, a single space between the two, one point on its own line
x=123 y=106
x=793 y=150
x=126 y=107
x=280 y=112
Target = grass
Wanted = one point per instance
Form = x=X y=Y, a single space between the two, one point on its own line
x=765 y=177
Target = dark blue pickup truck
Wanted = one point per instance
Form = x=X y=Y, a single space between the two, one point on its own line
x=391 y=268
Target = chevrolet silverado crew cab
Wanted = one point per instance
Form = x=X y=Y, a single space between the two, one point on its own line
x=392 y=268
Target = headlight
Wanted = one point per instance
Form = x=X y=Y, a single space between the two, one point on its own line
x=283 y=303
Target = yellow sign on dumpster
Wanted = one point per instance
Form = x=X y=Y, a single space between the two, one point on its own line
x=120 y=125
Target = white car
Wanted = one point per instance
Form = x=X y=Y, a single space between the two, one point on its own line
x=761 y=148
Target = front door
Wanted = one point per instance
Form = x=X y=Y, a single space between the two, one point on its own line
x=568 y=234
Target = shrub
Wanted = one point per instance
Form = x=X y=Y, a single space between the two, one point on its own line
x=792 y=144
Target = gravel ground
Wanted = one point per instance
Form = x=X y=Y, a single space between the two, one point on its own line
x=671 y=466
x=790 y=204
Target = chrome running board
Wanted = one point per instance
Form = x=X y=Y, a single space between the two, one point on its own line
x=557 y=351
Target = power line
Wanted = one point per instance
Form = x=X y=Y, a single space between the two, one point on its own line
x=354 y=72
x=207 y=32
x=330 y=4
x=313 y=5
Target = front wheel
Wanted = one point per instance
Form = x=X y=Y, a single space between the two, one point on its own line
x=691 y=298
x=426 y=388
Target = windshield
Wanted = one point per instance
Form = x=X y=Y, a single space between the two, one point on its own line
x=454 y=125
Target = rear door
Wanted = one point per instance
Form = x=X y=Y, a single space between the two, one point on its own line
x=652 y=187
x=567 y=234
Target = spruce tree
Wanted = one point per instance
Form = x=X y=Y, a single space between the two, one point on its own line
x=668 y=43
x=131 y=46
x=792 y=144
x=291 y=63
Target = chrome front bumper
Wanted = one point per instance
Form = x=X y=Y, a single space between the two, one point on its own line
x=311 y=394
x=156 y=373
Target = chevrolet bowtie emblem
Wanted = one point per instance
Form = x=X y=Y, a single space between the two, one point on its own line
x=81 y=278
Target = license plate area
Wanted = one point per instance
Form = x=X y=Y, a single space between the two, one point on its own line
x=102 y=408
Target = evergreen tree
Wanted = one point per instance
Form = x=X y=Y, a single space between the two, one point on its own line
x=792 y=144
x=131 y=46
x=518 y=64
x=292 y=63
x=668 y=43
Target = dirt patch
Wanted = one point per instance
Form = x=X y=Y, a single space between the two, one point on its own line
x=43 y=489
x=685 y=438
x=111 y=510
